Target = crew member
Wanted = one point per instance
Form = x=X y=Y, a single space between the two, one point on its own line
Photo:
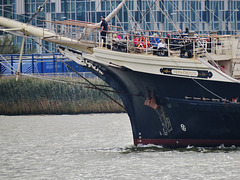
x=104 y=29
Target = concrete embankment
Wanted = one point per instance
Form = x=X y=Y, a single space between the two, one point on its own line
x=38 y=96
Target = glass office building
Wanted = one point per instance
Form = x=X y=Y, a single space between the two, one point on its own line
x=201 y=16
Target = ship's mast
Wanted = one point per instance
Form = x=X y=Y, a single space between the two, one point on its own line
x=47 y=35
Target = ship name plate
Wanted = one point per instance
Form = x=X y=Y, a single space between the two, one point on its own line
x=187 y=72
x=184 y=72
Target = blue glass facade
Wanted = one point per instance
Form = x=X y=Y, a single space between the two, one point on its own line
x=201 y=16
x=6 y=8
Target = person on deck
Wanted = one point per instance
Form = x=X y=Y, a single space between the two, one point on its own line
x=116 y=37
x=167 y=40
x=155 y=40
x=137 y=40
x=180 y=34
x=161 y=44
x=104 y=28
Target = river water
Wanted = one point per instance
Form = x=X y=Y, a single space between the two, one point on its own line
x=100 y=146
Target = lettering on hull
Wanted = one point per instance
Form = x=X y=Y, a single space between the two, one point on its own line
x=187 y=72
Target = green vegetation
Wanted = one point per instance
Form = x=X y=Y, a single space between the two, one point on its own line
x=7 y=46
x=37 y=96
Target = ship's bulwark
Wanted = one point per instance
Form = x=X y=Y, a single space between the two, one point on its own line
x=177 y=112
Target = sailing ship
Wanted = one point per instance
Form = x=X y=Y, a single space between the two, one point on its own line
x=186 y=93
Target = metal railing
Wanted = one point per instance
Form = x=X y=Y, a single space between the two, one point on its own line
x=184 y=45
x=45 y=64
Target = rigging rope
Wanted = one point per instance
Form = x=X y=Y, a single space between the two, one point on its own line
x=12 y=68
x=80 y=75
x=131 y=17
x=166 y=15
x=143 y=16
x=212 y=14
x=211 y=59
x=39 y=9
x=228 y=18
x=71 y=82
x=117 y=17
x=64 y=81
x=153 y=15
x=200 y=1
x=186 y=18
x=74 y=83
x=8 y=67
x=101 y=90
x=225 y=100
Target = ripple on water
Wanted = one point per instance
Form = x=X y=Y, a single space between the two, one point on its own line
x=159 y=148
x=100 y=147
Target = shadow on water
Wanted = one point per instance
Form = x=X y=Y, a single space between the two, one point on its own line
x=155 y=148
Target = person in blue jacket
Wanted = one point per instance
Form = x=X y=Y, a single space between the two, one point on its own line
x=155 y=40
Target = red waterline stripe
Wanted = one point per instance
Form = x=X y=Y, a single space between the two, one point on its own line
x=186 y=142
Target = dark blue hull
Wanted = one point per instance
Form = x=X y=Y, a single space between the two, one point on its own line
x=177 y=111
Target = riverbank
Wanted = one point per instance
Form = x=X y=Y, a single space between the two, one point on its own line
x=39 y=96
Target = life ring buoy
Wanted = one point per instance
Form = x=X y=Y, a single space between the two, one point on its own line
x=146 y=44
x=140 y=46
x=137 y=41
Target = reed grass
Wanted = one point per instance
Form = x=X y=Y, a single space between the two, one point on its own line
x=38 y=96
